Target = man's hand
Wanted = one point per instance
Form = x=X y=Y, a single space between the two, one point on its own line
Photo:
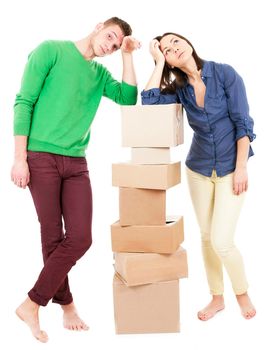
x=129 y=44
x=20 y=173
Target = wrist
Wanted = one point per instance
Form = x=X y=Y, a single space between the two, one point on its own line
x=126 y=54
x=241 y=166
x=21 y=157
x=160 y=62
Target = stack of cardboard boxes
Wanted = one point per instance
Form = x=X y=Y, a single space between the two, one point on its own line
x=148 y=258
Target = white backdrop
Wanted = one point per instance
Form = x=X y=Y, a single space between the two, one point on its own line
x=228 y=32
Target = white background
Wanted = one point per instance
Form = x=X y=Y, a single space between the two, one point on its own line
x=223 y=31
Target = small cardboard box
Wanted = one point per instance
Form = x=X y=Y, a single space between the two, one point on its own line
x=158 y=177
x=152 y=125
x=142 y=207
x=150 y=155
x=148 y=239
x=143 y=268
x=152 y=308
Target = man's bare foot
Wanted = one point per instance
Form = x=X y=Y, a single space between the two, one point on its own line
x=28 y=312
x=71 y=320
x=216 y=305
x=247 y=309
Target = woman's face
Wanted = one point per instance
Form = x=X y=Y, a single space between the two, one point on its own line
x=176 y=50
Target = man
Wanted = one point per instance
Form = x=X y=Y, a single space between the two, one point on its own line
x=60 y=92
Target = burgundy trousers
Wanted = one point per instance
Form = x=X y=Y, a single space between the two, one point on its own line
x=61 y=191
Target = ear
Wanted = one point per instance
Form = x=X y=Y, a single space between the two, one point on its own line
x=98 y=27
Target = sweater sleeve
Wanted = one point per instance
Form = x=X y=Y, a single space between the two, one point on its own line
x=121 y=93
x=237 y=103
x=155 y=97
x=36 y=70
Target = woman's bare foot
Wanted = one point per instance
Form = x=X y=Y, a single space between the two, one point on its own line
x=28 y=312
x=217 y=304
x=247 y=309
x=71 y=320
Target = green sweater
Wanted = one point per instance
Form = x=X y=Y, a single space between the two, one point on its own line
x=59 y=96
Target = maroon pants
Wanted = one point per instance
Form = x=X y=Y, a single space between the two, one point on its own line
x=61 y=191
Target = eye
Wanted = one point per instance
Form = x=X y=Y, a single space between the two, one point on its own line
x=109 y=36
x=175 y=41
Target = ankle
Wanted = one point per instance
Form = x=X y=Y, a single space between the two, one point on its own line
x=31 y=304
x=218 y=298
x=68 y=307
x=243 y=295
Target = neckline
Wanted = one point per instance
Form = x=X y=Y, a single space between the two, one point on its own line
x=78 y=53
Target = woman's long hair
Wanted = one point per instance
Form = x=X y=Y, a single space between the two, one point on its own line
x=173 y=78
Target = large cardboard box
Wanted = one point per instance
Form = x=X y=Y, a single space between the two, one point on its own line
x=148 y=239
x=152 y=125
x=142 y=268
x=150 y=155
x=142 y=207
x=152 y=308
x=158 y=177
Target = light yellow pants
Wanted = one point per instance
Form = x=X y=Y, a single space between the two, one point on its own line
x=217 y=210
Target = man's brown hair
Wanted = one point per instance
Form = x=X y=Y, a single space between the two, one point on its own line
x=125 y=27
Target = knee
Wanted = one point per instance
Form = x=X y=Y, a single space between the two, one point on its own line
x=222 y=249
x=80 y=246
x=87 y=242
x=205 y=239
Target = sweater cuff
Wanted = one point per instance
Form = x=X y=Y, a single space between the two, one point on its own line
x=130 y=91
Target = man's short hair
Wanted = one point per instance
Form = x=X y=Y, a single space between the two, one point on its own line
x=125 y=27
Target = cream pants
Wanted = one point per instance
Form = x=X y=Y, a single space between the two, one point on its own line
x=217 y=210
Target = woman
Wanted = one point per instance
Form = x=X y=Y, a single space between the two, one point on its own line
x=215 y=101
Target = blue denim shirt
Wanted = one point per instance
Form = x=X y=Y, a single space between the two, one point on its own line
x=223 y=120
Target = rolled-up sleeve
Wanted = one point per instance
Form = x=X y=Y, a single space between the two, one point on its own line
x=155 y=97
x=237 y=103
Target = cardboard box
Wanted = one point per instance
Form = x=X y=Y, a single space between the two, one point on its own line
x=152 y=308
x=142 y=268
x=148 y=239
x=150 y=155
x=152 y=125
x=158 y=177
x=142 y=207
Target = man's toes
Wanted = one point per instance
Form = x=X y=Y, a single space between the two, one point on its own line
x=84 y=327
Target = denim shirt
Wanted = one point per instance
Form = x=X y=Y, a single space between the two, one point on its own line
x=223 y=120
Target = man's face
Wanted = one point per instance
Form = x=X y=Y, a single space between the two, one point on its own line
x=107 y=40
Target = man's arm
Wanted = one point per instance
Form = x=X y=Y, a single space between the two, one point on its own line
x=20 y=171
x=129 y=44
x=37 y=68
x=124 y=93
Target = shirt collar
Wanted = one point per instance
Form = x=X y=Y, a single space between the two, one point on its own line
x=207 y=69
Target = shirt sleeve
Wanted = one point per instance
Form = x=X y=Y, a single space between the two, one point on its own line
x=121 y=93
x=155 y=97
x=37 y=68
x=238 y=104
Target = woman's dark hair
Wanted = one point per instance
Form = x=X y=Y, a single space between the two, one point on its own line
x=173 y=78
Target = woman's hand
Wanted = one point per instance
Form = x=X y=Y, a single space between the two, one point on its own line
x=240 y=180
x=155 y=51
